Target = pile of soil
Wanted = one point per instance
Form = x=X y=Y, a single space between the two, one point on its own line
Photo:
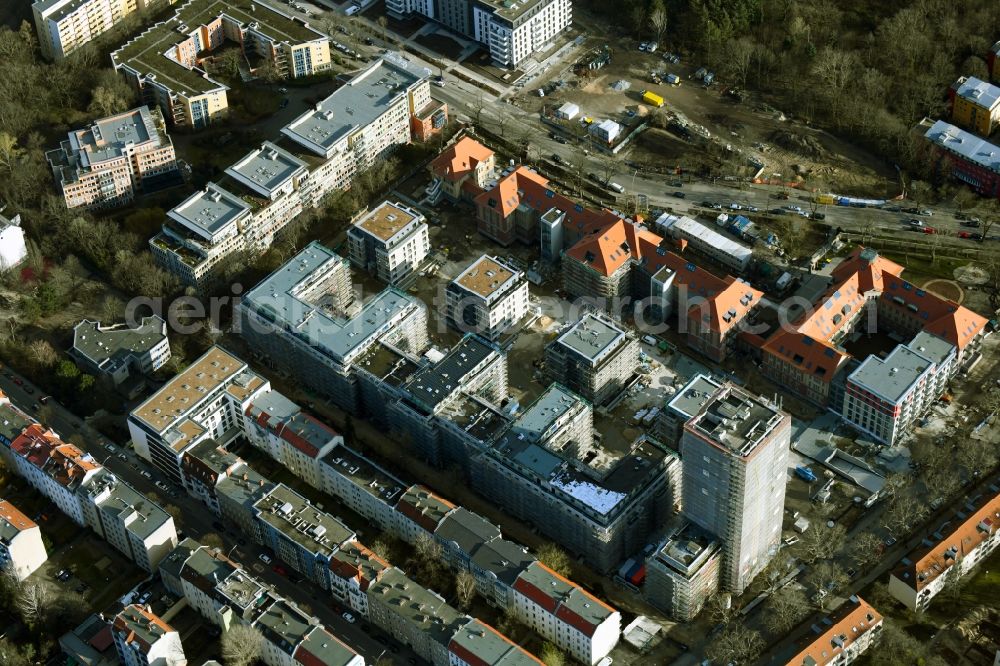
x=803 y=144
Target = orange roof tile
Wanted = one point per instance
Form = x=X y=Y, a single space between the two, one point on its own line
x=942 y=317
x=13 y=515
x=929 y=563
x=849 y=623
x=459 y=159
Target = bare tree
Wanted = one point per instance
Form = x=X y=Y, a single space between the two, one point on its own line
x=465 y=589
x=380 y=548
x=739 y=54
x=820 y=542
x=43 y=353
x=737 y=644
x=241 y=645
x=658 y=19
x=477 y=109
x=720 y=608
x=865 y=548
x=786 y=608
x=383 y=23
x=555 y=558
x=828 y=575
x=212 y=540
x=32 y=601
x=427 y=548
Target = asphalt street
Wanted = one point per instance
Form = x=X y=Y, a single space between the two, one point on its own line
x=196 y=521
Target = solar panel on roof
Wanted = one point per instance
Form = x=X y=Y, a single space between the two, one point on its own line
x=578 y=208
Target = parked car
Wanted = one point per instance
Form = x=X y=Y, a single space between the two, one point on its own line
x=974 y=222
x=280 y=570
x=964 y=234
x=557 y=158
x=930 y=230
x=889 y=541
x=145 y=473
x=64 y=575
x=265 y=558
x=677 y=183
x=679 y=195
x=347 y=616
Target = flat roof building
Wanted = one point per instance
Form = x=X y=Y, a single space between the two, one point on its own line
x=682 y=574
x=975 y=104
x=64 y=26
x=106 y=163
x=270 y=171
x=488 y=297
x=389 y=241
x=735 y=453
x=119 y=350
x=594 y=357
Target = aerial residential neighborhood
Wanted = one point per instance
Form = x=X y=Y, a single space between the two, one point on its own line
x=499 y=333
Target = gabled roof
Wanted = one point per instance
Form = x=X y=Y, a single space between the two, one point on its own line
x=835 y=634
x=563 y=598
x=608 y=248
x=459 y=159
x=942 y=317
x=971 y=528
x=424 y=507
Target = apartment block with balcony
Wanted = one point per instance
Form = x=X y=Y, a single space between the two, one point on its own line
x=884 y=397
x=206 y=401
x=362 y=486
x=166 y=62
x=134 y=524
x=64 y=26
x=682 y=574
x=288 y=317
x=735 y=453
x=301 y=534
x=841 y=637
x=389 y=242
x=22 y=551
x=949 y=554
x=511 y=32
x=975 y=105
x=595 y=357
x=142 y=638
x=488 y=297
x=353 y=569
x=106 y=164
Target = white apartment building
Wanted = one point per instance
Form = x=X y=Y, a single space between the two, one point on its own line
x=487 y=298
x=22 y=550
x=105 y=164
x=13 y=249
x=353 y=568
x=129 y=521
x=962 y=543
x=479 y=644
x=575 y=621
x=65 y=25
x=279 y=428
x=362 y=486
x=883 y=397
x=144 y=639
x=841 y=637
x=207 y=400
x=54 y=468
x=511 y=31
x=735 y=452
x=389 y=241
x=118 y=351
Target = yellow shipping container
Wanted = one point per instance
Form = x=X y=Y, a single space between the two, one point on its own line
x=824 y=198
x=652 y=98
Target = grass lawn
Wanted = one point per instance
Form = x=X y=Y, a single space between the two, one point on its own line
x=918 y=270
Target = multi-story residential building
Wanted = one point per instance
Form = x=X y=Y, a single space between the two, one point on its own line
x=293 y=638
x=884 y=397
x=165 y=62
x=668 y=424
x=144 y=639
x=364 y=119
x=683 y=572
x=472 y=367
x=963 y=156
x=419 y=512
x=841 y=637
x=238 y=493
x=414 y=615
x=206 y=401
x=90 y=643
x=560 y=611
x=975 y=105
x=489 y=297
x=706 y=241
x=54 y=468
x=479 y=644
x=511 y=32
x=105 y=164
x=286 y=318
x=389 y=241
x=735 y=453
x=13 y=422
x=595 y=358
x=118 y=351
x=353 y=568
x=297 y=440
x=948 y=554
x=129 y=521
x=203 y=468
x=22 y=550
x=298 y=532
x=13 y=249
x=63 y=26
x=362 y=486
x=462 y=171
x=597 y=502
x=866 y=290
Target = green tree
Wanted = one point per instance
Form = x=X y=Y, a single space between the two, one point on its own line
x=551 y=655
x=555 y=558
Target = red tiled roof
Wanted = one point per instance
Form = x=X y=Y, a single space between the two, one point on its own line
x=418 y=516
x=557 y=605
x=474 y=659
x=608 y=248
x=849 y=623
x=44 y=450
x=944 y=318
x=13 y=515
x=460 y=159
x=933 y=561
